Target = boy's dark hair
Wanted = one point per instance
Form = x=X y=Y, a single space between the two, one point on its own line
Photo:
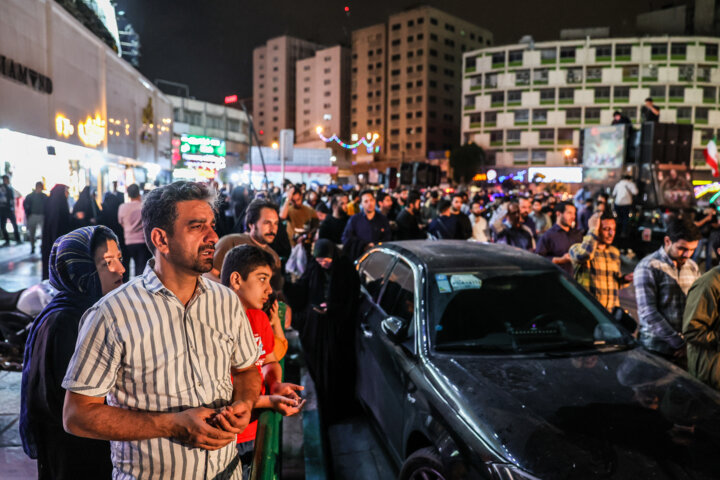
x=244 y=259
x=443 y=205
x=682 y=229
x=133 y=191
x=380 y=196
x=159 y=209
x=413 y=196
x=434 y=194
x=254 y=210
x=562 y=206
x=536 y=200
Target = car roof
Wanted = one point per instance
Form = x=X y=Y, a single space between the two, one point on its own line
x=449 y=255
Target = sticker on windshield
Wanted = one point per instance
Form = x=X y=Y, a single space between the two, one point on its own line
x=465 y=282
x=443 y=284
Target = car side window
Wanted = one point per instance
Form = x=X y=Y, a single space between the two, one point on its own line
x=372 y=272
x=398 y=299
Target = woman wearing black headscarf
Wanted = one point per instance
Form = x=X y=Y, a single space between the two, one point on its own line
x=57 y=222
x=85 y=264
x=325 y=302
x=85 y=211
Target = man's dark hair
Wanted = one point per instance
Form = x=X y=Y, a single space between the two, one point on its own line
x=5 y=177
x=380 y=196
x=133 y=191
x=434 y=194
x=537 y=200
x=562 y=206
x=244 y=259
x=39 y=184
x=335 y=201
x=159 y=209
x=682 y=229
x=367 y=191
x=458 y=194
x=254 y=210
x=648 y=99
x=413 y=196
x=608 y=214
x=443 y=205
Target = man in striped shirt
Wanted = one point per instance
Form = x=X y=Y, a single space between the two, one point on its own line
x=153 y=363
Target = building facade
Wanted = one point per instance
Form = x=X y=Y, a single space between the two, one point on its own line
x=406 y=81
x=274 y=87
x=527 y=103
x=71 y=110
x=203 y=119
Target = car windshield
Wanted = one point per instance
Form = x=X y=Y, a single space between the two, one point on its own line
x=517 y=312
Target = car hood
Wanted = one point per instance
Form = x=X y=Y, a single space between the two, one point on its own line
x=611 y=415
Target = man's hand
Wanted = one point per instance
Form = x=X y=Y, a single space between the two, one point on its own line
x=562 y=260
x=594 y=224
x=234 y=418
x=286 y=406
x=195 y=427
x=629 y=277
x=286 y=390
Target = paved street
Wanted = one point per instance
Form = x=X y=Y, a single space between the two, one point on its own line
x=18 y=269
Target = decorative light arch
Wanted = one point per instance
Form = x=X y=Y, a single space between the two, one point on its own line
x=368 y=140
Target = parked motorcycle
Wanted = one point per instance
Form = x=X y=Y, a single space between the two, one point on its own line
x=17 y=312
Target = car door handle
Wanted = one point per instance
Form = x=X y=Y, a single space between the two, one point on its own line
x=366 y=330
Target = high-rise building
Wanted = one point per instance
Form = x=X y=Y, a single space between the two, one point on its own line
x=274 y=84
x=527 y=103
x=322 y=98
x=406 y=81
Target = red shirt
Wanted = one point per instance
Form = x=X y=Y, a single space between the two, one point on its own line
x=265 y=339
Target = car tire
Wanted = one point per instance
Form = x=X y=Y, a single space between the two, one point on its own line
x=423 y=464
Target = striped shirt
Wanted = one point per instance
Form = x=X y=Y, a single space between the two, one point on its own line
x=144 y=350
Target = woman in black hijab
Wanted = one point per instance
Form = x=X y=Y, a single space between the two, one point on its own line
x=57 y=222
x=325 y=302
x=85 y=211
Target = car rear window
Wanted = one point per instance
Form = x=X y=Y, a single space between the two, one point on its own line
x=372 y=272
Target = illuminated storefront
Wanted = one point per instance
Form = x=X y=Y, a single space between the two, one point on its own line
x=75 y=113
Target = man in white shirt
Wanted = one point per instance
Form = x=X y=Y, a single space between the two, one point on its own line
x=480 y=229
x=623 y=194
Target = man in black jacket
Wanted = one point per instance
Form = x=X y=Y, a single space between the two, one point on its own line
x=333 y=226
x=464 y=227
x=408 y=220
x=7 y=210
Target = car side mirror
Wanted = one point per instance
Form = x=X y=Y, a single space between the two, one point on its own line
x=394 y=328
x=623 y=319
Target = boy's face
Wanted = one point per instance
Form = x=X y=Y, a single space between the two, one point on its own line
x=254 y=291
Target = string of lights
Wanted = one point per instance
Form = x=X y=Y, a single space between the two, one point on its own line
x=369 y=141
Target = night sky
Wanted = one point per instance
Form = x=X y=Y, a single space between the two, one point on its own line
x=208 y=44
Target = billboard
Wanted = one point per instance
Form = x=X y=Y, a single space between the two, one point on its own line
x=202 y=152
x=604 y=146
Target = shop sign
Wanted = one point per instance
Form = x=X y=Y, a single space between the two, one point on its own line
x=20 y=73
x=91 y=132
x=198 y=151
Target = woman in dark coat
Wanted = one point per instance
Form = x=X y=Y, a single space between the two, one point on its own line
x=57 y=222
x=86 y=211
x=325 y=302
x=85 y=264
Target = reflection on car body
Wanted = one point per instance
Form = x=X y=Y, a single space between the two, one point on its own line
x=483 y=361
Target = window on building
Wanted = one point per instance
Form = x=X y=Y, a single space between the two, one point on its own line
x=433 y=21
x=592 y=115
x=709 y=94
x=548 y=55
x=602 y=94
x=711 y=51
x=573 y=114
x=522 y=77
x=704 y=73
x=546 y=135
x=706 y=134
x=433 y=68
x=515 y=57
x=498 y=58
x=449 y=28
x=514 y=97
x=678 y=50
x=497 y=98
x=677 y=92
x=547 y=94
x=539 y=115
x=395 y=57
x=574 y=75
x=193 y=118
x=684 y=114
x=395 y=27
x=448 y=72
x=701 y=114
x=496 y=137
x=658 y=93
x=623 y=51
x=658 y=50
x=686 y=73
x=449 y=42
x=603 y=52
x=522 y=115
x=490 y=118
x=565 y=135
x=621 y=93
x=521 y=157
x=567 y=53
x=541 y=75
x=433 y=37
x=433 y=52
x=593 y=74
x=395 y=42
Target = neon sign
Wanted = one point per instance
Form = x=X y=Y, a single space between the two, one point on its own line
x=701 y=190
x=63 y=126
x=92 y=131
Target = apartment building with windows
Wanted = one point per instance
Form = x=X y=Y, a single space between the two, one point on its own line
x=274 y=89
x=322 y=95
x=406 y=81
x=527 y=104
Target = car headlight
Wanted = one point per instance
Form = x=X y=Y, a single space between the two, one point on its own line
x=510 y=472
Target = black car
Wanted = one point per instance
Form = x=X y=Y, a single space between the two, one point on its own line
x=484 y=361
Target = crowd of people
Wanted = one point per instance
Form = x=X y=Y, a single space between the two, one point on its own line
x=163 y=370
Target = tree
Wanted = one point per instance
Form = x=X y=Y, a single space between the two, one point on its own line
x=466 y=161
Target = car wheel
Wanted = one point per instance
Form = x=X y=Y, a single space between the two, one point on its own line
x=423 y=464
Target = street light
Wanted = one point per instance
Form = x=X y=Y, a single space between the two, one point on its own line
x=274 y=145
